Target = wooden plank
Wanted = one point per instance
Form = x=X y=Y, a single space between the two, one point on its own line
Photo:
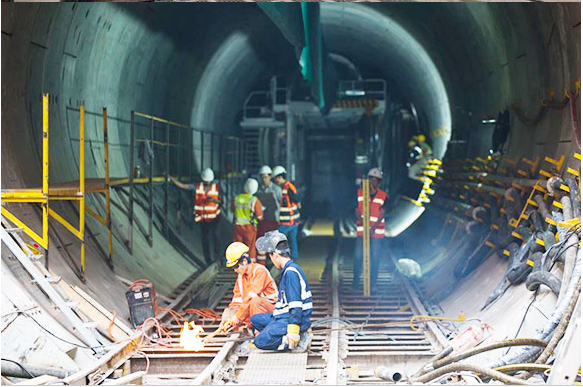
x=117 y=334
x=38 y=381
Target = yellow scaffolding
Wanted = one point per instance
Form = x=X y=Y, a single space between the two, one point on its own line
x=34 y=195
x=70 y=191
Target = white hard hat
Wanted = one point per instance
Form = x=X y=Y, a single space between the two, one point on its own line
x=251 y=186
x=207 y=175
x=278 y=170
x=265 y=170
x=376 y=172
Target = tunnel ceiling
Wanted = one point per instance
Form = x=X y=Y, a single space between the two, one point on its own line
x=197 y=62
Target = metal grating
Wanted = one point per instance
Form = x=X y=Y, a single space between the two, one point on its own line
x=274 y=368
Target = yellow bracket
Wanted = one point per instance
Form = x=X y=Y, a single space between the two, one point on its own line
x=66 y=224
x=577 y=156
x=557 y=163
x=569 y=223
x=43 y=241
x=460 y=317
x=490 y=244
x=572 y=171
x=530 y=263
x=404 y=308
x=506 y=252
x=97 y=217
x=540 y=242
x=557 y=204
x=545 y=173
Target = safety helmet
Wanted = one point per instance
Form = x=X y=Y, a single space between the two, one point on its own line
x=207 y=175
x=411 y=144
x=251 y=186
x=421 y=137
x=265 y=170
x=376 y=172
x=268 y=242
x=278 y=170
x=235 y=251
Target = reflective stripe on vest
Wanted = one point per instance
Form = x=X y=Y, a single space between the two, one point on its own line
x=244 y=206
x=205 y=211
x=375 y=210
x=288 y=211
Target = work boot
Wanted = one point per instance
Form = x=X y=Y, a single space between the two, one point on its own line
x=304 y=343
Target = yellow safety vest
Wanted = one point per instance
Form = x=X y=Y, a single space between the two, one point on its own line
x=244 y=206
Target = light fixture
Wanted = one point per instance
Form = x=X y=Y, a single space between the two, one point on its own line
x=489 y=121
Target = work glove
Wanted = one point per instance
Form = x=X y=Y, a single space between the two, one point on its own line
x=293 y=335
x=226 y=319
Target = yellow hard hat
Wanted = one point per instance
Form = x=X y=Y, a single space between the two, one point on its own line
x=234 y=252
x=421 y=137
x=411 y=144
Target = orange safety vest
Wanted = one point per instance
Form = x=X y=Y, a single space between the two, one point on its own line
x=288 y=211
x=204 y=210
x=259 y=283
x=375 y=210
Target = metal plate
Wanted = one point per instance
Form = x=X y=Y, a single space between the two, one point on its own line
x=274 y=368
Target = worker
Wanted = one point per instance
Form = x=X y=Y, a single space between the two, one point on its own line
x=254 y=292
x=425 y=147
x=206 y=210
x=289 y=210
x=270 y=195
x=248 y=212
x=287 y=327
x=377 y=203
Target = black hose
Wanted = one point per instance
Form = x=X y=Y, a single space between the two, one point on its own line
x=537 y=278
x=575 y=200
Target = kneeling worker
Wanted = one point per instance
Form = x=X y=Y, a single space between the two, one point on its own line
x=254 y=292
x=287 y=327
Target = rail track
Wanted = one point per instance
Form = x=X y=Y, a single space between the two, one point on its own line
x=337 y=355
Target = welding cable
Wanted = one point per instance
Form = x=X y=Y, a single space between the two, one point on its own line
x=20 y=366
x=456 y=367
x=147 y=360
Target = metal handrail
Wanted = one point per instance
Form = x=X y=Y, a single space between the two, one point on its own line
x=359 y=88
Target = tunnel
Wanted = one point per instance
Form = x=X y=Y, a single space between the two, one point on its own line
x=109 y=100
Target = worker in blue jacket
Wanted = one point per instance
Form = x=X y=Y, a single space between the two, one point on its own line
x=287 y=327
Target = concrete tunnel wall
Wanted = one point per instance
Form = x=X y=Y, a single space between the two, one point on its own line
x=197 y=62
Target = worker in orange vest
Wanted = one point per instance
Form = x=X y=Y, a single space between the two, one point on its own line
x=206 y=210
x=254 y=292
x=248 y=212
x=289 y=209
x=378 y=199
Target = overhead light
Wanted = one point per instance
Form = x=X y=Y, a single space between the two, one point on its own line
x=490 y=121
x=354 y=93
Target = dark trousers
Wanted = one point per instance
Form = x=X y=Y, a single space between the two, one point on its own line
x=375 y=252
x=210 y=231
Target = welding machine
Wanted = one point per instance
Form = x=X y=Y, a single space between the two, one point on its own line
x=141 y=297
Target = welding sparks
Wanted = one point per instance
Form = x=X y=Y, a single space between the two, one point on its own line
x=190 y=337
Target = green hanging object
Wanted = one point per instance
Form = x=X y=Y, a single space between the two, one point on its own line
x=300 y=25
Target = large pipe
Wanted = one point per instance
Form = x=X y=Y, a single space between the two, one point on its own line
x=456 y=367
x=571 y=253
x=11 y=369
x=385 y=373
x=545 y=332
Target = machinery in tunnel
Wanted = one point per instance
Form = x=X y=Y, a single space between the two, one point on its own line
x=113 y=112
